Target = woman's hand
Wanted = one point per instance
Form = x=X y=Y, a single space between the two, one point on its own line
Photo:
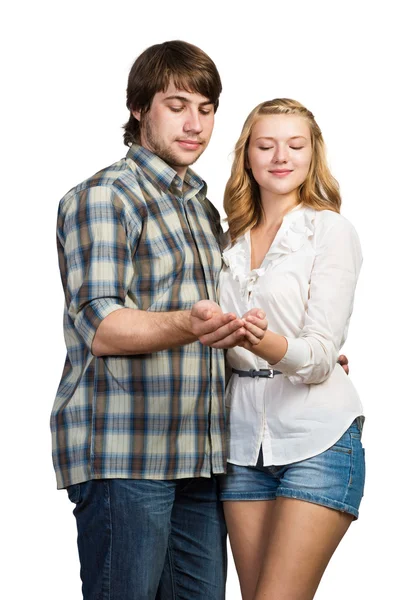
x=255 y=324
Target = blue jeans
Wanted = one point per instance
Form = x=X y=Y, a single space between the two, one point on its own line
x=334 y=478
x=150 y=540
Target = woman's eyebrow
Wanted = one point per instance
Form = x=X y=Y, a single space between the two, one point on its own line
x=294 y=137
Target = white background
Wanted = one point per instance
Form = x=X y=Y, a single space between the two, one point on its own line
x=64 y=74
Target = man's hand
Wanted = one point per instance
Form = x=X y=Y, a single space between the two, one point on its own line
x=219 y=330
x=215 y=328
x=344 y=362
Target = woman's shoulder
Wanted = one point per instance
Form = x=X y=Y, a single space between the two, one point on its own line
x=325 y=220
x=333 y=230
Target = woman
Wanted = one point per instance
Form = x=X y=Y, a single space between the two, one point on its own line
x=296 y=464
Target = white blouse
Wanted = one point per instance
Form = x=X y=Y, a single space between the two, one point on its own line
x=306 y=287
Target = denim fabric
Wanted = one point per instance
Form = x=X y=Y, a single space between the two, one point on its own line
x=146 y=539
x=335 y=478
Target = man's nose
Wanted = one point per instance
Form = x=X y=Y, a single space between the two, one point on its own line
x=193 y=123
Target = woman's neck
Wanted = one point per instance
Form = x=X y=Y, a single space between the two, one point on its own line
x=275 y=207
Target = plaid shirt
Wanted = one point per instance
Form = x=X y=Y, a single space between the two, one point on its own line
x=135 y=235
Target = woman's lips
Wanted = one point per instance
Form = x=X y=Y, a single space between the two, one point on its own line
x=281 y=173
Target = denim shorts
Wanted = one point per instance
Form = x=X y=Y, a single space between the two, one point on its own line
x=335 y=478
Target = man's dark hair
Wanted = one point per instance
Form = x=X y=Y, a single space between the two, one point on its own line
x=180 y=63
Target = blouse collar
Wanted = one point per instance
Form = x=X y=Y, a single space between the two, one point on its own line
x=297 y=227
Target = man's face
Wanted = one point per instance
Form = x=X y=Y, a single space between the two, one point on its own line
x=177 y=127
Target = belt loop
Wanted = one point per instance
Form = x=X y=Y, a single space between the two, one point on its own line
x=360 y=423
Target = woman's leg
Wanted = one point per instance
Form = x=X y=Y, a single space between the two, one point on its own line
x=302 y=539
x=297 y=533
x=249 y=526
x=317 y=500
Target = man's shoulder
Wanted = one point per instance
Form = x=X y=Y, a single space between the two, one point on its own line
x=117 y=179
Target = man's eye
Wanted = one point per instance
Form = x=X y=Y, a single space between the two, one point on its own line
x=176 y=109
x=205 y=112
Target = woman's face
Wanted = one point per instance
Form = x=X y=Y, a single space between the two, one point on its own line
x=279 y=153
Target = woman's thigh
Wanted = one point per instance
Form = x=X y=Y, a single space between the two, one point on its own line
x=248 y=496
x=249 y=526
x=302 y=540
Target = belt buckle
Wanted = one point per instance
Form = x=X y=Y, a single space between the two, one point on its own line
x=271 y=374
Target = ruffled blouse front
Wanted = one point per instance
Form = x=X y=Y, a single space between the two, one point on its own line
x=296 y=229
x=305 y=285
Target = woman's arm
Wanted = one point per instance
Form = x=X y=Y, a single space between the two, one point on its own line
x=311 y=356
x=272 y=347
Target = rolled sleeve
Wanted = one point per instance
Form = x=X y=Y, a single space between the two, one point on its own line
x=90 y=317
x=312 y=355
x=95 y=258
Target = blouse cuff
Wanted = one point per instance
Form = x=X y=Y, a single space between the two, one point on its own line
x=297 y=355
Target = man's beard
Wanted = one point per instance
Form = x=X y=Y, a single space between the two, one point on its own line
x=161 y=150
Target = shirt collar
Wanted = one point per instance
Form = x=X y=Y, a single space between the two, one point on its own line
x=162 y=175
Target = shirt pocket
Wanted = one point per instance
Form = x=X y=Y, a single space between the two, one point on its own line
x=158 y=266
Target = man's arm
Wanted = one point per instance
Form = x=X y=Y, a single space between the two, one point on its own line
x=96 y=264
x=131 y=331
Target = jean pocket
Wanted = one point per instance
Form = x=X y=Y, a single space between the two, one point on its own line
x=74 y=493
x=343 y=444
x=337 y=448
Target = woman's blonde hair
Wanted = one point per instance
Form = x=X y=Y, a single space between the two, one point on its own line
x=242 y=202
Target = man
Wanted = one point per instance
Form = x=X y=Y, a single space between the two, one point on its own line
x=138 y=423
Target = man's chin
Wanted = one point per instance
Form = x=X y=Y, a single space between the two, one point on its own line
x=179 y=160
x=189 y=158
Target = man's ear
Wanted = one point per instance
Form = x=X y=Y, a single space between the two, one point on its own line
x=136 y=114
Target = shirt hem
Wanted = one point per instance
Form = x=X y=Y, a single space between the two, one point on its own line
x=155 y=476
x=289 y=461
